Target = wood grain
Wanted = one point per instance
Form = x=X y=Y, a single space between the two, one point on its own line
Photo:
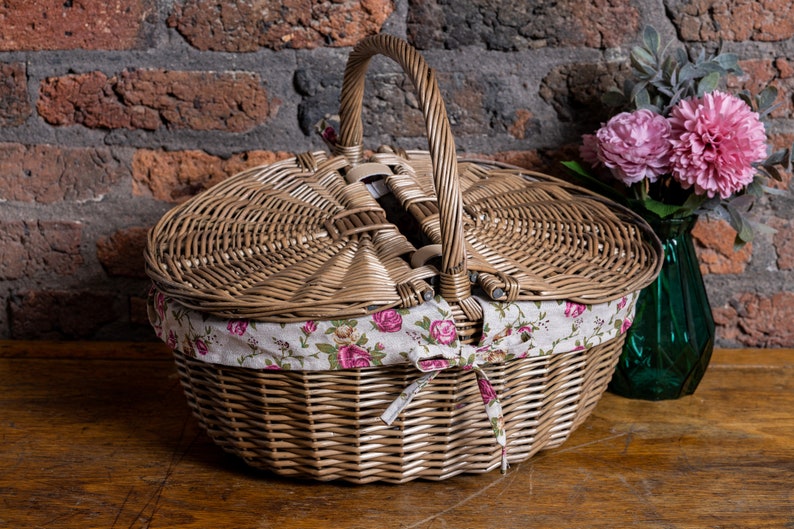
x=94 y=440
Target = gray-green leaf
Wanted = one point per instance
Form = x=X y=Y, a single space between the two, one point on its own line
x=766 y=98
x=651 y=38
x=708 y=83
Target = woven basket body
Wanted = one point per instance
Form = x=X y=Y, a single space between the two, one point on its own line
x=326 y=424
x=304 y=239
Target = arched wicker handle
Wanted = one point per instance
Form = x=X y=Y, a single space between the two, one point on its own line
x=455 y=285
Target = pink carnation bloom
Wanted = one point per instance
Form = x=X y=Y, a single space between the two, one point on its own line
x=634 y=145
x=715 y=141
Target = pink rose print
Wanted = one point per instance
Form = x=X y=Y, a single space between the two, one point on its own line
x=171 y=340
x=622 y=302
x=443 y=332
x=434 y=364
x=573 y=310
x=388 y=320
x=309 y=327
x=272 y=367
x=352 y=356
x=159 y=300
x=487 y=391
x=626 y=326
x=237 y=327
x=201 y=347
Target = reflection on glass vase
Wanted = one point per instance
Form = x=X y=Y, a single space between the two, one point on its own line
x=669 y=345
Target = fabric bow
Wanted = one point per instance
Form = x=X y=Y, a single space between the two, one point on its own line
x=432 y=359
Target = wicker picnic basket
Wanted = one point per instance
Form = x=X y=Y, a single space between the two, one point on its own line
x=308 y=241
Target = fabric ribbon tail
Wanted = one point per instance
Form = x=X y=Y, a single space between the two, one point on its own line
x=493 y=409
x=405 y=398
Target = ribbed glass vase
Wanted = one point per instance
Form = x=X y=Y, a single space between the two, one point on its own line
x=669 y=344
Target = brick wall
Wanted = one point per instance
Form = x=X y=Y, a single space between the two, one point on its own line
x=112 y=112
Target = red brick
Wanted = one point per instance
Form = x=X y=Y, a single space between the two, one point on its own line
x=122 y=253
x=603 y=23
x=760 y=73
x=518 y=128
x=68 y=25
x=177 y=175
x=150 y=99
x=224 y=25
x=783 y=242
x=714 y=245
x=46 y=248
x=785 y=67
x=758 y=321
x=526 y=159
x=734 y=20
x=58 y=314
x=48 y=174
x=14 y=103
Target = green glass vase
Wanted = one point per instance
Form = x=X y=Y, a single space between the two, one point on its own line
x=669 y=344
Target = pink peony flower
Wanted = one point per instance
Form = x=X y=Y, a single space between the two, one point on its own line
x=443 y=332
x=237 y=327
x=715 y=140
x=352 y=356
x=634 y=145
x=388 y=320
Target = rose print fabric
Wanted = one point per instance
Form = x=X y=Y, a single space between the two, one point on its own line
x=424 y=336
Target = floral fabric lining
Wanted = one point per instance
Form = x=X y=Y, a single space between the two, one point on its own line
x=424 y=336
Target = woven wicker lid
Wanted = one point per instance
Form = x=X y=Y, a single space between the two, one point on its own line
x=304 y=238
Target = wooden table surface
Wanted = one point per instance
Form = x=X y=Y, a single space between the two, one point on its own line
x=88 y=441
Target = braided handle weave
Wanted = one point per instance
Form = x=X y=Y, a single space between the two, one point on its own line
x=454 y=275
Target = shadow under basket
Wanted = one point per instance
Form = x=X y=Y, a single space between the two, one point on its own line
x=326 y=424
